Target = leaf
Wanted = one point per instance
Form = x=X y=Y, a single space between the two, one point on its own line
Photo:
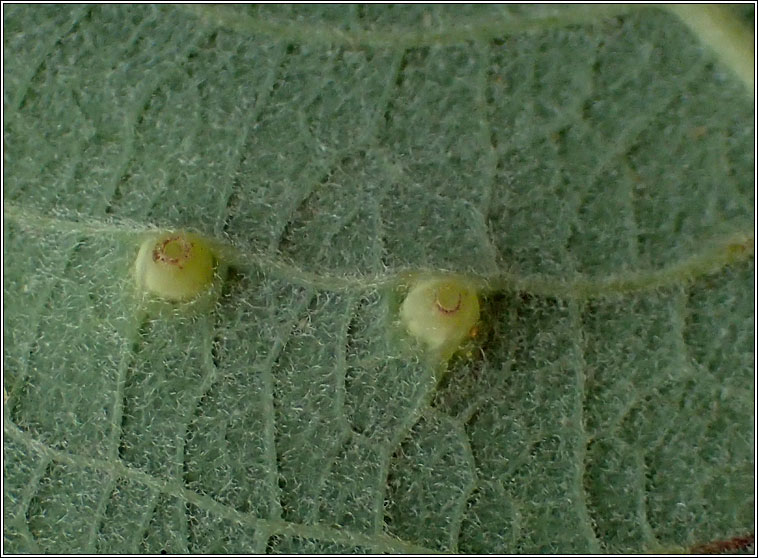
x=590 y=167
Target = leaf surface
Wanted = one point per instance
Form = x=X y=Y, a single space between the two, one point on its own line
x=591 y=167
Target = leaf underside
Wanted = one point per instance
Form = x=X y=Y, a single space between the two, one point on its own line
x=593 y=170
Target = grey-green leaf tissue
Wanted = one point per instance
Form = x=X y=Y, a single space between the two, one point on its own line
x=581 y=177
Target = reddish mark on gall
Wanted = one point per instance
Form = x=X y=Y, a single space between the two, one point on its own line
x=176 y=257
x=445 y=310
